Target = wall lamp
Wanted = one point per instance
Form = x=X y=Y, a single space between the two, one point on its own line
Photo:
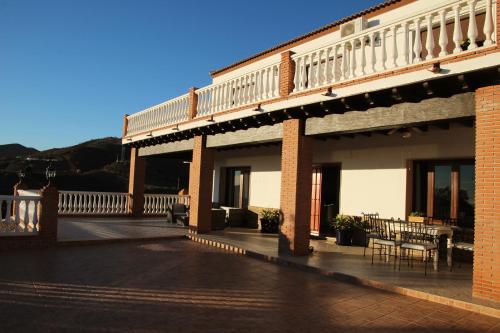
x=435 y=68
x=258 y=108
x=329 y=93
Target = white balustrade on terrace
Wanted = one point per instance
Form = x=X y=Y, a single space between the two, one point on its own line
x=158 y=204
x=259 y=85
x=19 y=215
x=398 y=44
x=164 y=114
x=92 y=203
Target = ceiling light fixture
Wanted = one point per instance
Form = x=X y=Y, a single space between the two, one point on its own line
x=406 y=134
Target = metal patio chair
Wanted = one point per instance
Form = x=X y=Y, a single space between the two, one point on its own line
x=387 y=239
x=414 y=237
x=370 y=228
x=463 y=239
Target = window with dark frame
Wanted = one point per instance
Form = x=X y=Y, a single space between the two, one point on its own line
x=444 y=190
x=237 y=187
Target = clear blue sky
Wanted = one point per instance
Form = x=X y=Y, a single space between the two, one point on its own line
x=70 y=69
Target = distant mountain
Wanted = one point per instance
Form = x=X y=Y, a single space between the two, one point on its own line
x=95 y=165
x=14 y=150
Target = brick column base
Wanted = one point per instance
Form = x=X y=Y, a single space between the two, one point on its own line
x=47 y=216
x=200 y=187
x=486 y=275
x=296 y=184
x=136 y=183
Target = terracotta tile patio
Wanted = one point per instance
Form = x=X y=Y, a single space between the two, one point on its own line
x=348 y=262
x=182 y=286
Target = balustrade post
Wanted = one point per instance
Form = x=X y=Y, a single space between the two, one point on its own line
x=429 y=44
x=136 y=183
x=193 y=103
x=287 y=74
x=457 y=30
x=488 y=24
x=443 y=36
x=47 y=214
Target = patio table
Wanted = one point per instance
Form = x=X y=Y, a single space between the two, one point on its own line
x=435 y=230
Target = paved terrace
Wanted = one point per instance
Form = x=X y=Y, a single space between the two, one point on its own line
x=82 y=229
x=347 y=262
x=328 y=258
x=182 y=286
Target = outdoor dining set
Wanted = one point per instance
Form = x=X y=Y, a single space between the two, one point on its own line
x=402 y=239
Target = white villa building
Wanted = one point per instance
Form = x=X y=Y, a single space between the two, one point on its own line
x=371 y=114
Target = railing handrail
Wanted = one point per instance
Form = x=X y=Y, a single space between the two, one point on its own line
x=20 y=197
x=93 y=192
x=165 y=195
x=151 y=108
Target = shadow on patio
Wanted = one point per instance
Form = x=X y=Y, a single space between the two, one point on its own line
x=347 y=263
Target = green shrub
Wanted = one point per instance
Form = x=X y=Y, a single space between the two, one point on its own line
x=343 y=223
x=420 y=214
x=270 y=220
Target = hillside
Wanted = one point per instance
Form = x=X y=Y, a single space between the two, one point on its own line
x=13 y=150
x=90 y=166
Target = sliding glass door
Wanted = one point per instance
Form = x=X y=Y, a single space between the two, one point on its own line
x=238 y=184
x=444 y=189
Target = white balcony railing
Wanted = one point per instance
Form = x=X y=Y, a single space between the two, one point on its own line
x=158 y=204
x=250 y=88
x=164 y=114
x=113 y=203
x=19 y=215
x=92 y=203
x=398 y=44
x=457 y=26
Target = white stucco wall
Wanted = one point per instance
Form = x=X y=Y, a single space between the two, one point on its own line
x=265 y=174
x=373 y=169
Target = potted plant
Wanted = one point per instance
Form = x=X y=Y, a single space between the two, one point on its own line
x=343 y=226
x=417 y=217
x=359 y=231
x=269 y=220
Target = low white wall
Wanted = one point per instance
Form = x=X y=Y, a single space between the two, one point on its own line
x=373 y=169
x=265 y=173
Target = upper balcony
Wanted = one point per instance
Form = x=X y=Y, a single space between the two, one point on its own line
x=389 y=48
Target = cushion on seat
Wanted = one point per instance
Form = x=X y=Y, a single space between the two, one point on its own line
x=386 y=242
x=464 y=246
x=419 y=246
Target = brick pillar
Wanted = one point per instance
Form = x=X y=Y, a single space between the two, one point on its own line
x=193 y=103
x=136 y=183
x=47 y=214
x=486 y=275
x=296 y=184
x=200 y=186
x=287 y=73
x=125 y=125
